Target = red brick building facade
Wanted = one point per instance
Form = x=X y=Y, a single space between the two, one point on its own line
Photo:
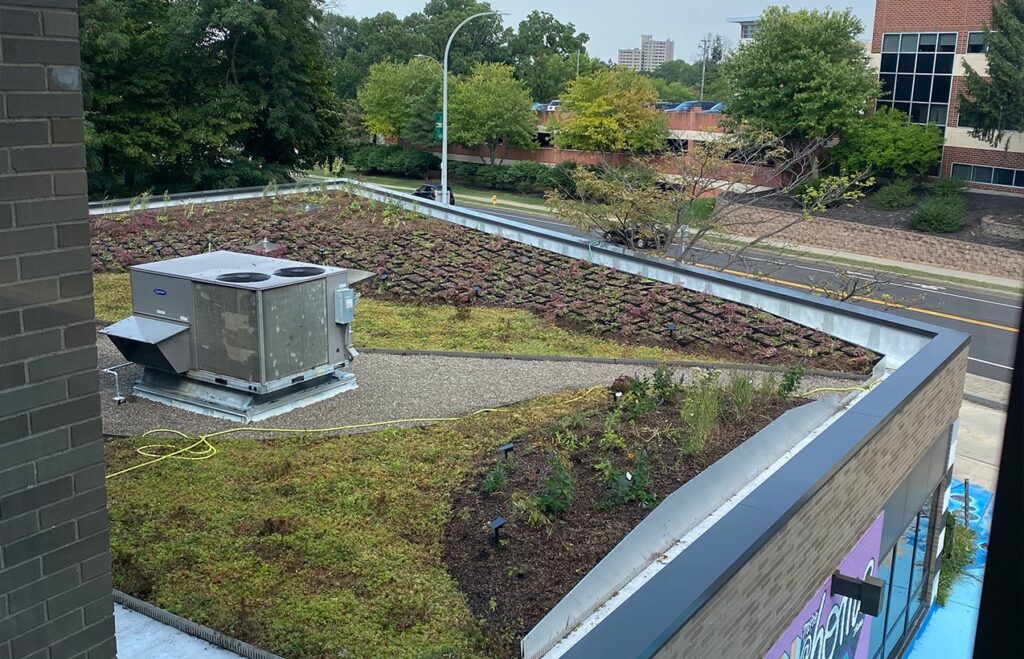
x=921 y=48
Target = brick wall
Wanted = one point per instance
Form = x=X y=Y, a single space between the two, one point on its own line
x=746 y=615
x=988 y=157
x=55 y=583
x=961 y=16
x=881 y=242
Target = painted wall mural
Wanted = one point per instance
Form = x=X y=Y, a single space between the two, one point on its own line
x=832 y=627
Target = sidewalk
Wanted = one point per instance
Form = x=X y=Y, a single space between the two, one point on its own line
x=948 y=631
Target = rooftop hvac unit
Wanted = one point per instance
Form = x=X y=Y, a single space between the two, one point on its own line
x=239 y=336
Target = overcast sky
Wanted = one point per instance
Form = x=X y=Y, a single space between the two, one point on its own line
x=614 y=24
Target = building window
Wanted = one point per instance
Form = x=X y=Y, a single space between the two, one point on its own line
x=916 y=74
x=989 y=175
x=903 y=568
x=976 y=42
x=747 y=30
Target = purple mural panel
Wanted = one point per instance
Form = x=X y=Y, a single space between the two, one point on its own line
x=832 y=627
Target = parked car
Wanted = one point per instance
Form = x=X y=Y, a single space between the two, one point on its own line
x=686 y=106
x=430 y=191
x=553 y=105
x=718 y=108
x=635 y=237
x=537 y=107
x=665 y=105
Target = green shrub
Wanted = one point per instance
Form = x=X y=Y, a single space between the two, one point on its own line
x=663 y=385
x=557 y=493
x=638 y=401
x=769 y=385
x=495 y=478
x=741 y=394
x=790 y=381
x=375 y=159
x=627 y=485
x=949 y=187
x=699 y=413
x=896 y=195
x=957 y=554
x=940 y=214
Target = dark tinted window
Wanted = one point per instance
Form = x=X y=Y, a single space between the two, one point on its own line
x=940 y=89
x=919 y=113
x=904 y=86
x=1018 y=179
x=943 y=63
x=925 y=63
x=927 y=43
x=888 y=62
x=947 y=42
x=1002 y=176
x=890 y=43
x=906 y=64
x=908 y=43
x=962 y=172
x=982 y=174
x=922 y=88
x=888 y=84
x=976 y=42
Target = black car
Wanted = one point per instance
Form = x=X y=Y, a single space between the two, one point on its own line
x=430 y=191
x=635 y=238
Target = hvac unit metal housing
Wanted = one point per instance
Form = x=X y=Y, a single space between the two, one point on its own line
x=239 y=336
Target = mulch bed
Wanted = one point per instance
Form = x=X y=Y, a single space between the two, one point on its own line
x=417 y=259
x=512 y=584
x=1005 y=208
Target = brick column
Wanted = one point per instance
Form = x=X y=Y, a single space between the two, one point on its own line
x=55 y=582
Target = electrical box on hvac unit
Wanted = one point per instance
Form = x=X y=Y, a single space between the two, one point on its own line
x=344 y=306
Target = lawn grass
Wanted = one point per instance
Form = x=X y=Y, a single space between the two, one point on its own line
x=403 y=326
x=311 y=546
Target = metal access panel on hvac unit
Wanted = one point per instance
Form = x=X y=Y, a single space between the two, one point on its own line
x=239 y=336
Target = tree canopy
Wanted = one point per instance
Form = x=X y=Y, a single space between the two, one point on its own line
x=394 y=93
x=994 y=103
x=491 y=107
x=887 y=144
x=804 y=76
x=611 y=110
x=209 y=93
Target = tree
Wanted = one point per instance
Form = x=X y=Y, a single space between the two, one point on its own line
x=610 y=110
x=994 y=105
x=491 y=107
x=887 y=144
x=704 y=194
x=672 y=91
x=546 y=52
x=804 y=76
x=392 y=94
x=185 y=96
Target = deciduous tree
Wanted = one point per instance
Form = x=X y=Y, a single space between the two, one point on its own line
x=805 y=76
x=611 y=110
x=887 y=144
x=491 y=107
x=393 y=93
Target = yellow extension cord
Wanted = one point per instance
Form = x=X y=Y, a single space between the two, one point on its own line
x=208 y=450
x=203 y=449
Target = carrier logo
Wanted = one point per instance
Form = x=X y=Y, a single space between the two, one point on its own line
x=159 y=291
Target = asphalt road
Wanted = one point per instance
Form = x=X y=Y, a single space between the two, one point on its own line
x=991 y=318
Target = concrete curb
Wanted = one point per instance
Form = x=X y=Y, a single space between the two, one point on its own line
x=615 y=360
x=191 y=628
x=986 y=402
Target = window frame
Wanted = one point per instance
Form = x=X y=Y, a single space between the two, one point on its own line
x=897 y=61
x=1017 y=174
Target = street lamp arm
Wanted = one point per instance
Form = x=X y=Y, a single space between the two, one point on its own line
x=444 y=103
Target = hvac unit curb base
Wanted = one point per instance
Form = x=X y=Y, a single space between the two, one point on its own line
x=232 y=404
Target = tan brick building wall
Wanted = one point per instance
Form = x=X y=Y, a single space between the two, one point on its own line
x=746 y=615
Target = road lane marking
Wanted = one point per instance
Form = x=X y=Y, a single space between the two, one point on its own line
x=895 y=305
x=990 y=363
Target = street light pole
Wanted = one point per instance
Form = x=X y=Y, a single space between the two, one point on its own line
x=444 y=103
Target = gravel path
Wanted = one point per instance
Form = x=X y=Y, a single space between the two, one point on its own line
x=390 y=387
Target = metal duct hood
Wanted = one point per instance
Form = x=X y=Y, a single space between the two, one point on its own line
x=152 y=342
